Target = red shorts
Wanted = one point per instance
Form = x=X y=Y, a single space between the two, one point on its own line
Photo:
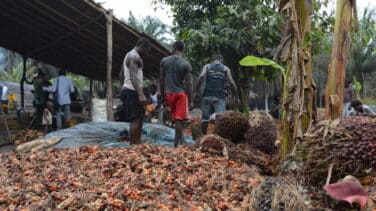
x=178 y=103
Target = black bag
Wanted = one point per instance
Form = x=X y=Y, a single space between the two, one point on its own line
x=55 y=100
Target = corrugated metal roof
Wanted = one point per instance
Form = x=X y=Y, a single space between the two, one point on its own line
x=70 y=34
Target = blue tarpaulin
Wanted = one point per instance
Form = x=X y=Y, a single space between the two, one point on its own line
x=109 y=134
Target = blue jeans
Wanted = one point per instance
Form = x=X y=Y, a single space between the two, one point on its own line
x=212 y=105
x=67 y=115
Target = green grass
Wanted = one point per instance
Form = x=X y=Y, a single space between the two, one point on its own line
x=369 y=100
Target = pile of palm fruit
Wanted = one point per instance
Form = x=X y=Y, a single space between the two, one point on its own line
x=247 y=140
x=349 y=145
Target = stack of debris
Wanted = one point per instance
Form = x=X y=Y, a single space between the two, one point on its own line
x=26 y=135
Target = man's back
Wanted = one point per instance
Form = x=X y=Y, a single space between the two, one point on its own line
x=216 y=74
x=65 y=88
x=175 y=70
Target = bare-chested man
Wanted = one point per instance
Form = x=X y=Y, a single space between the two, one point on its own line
x=132 y=95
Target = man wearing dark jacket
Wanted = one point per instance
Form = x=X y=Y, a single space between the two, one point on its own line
x=214 y=76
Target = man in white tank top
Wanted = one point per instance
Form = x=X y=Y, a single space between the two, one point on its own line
x=132 y=95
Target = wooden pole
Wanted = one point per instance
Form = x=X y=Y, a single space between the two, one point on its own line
x=91 y=99
x=109 y=65
x=23 y=79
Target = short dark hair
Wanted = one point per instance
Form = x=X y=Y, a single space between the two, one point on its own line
x=145 y=42
x=178 y=46
x=356 y=103
x=40 y=72
x=62 y=72
x=218 y=57
x=153 y=86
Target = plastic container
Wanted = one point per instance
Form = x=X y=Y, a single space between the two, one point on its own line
x=12 y=105
x=12 y=97
x=70 y=123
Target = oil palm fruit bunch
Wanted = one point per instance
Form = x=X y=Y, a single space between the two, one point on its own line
x=231 y=125
x=277 y=193
x=262 y=133
x=211 y=143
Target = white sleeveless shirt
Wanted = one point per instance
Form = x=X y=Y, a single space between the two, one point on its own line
x=127 y=76
x=154 y=99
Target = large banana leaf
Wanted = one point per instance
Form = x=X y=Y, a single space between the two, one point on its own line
x=252 y=61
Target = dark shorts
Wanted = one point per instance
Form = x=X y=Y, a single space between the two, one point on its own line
x=132 y=109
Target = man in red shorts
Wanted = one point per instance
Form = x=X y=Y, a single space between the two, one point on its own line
x=176 y=87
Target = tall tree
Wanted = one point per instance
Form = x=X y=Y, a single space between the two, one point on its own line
x=337 y=67
x=362 y=56
x=151 y=26
x=298 y=88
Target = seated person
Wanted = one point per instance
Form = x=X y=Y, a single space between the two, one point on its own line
x=361 y=109
x=149 y=109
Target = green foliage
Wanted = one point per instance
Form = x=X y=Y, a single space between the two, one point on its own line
x=356 y=85
x=80 y=82
x=323 y=26
x=151 y=26
x=369 y=101
x=16 y=75
x=253 y=61
x=232 y=28
x=363 y=56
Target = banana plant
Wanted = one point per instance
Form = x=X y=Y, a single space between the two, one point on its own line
x=253 y=61
x=17 y=73
x=357 y=87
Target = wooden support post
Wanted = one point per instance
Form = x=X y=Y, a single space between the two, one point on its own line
x=91 y=99
x=23 y=79
x=109 y=65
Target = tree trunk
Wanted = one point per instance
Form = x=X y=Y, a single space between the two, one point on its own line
x=22 y=82
x=298 y=105
x=266 y=97
x=10 y=61
x=110 y=115
x=244 y=93
x=337 y=67
x=364 y=87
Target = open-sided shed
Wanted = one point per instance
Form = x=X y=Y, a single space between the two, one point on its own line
x=72 y=34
